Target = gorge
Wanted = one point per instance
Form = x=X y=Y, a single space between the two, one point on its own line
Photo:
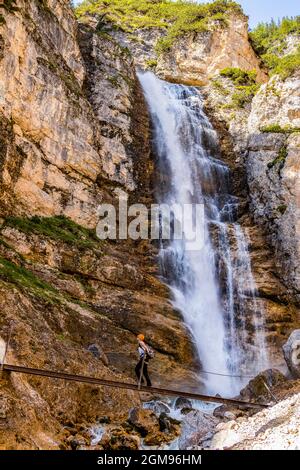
x=169 y=106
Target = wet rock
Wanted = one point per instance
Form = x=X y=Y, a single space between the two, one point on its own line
x=155 y=431
x=157 y=407
x=104 y=420
x=168 y=424
x=144 y=421
x=229 y=415
x=183 y=403
x=291 y=351
x=197 y=427
x=185 y=411
x=117 y=438
x=77 y=441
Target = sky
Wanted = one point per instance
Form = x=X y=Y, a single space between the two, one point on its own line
x=265 y=10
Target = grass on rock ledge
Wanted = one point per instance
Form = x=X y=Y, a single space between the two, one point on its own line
x=176 y=17
x=57 y=228
x=26 y=280
x=277 y=129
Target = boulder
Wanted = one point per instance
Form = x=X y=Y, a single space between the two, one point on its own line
x=168 y=424
x=154 y=430
x=144 y=421
x=181 y=403
x=291 y=351
x=256 y=387
x=76 y=442
x=197 y=427
x=117 y=438
x=157 y=407
x=255 y=390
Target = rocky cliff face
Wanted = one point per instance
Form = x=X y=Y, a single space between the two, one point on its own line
x=273 y=171
x=73 y=128
x=195 y=58
x=63 y=149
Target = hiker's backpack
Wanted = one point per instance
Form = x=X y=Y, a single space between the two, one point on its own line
x=150 y=353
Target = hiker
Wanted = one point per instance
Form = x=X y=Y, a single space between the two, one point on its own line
x=145 y=354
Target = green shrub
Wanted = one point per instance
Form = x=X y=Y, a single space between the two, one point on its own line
x=176 y=17
x=220 y=87
x=239 y=76
x=58 y=228
x=245 y=85
x=151 y=63
x=244 y=95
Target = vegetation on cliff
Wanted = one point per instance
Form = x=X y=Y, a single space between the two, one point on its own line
x=274 y=43
x=21 y=277
x=245 y=85
x=278 y=129
x=176 y=17
x=58 y=228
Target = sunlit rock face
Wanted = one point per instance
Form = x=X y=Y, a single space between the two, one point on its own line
x=74 y=126
x=197 y=57
x=62 y=141
x=274 y=171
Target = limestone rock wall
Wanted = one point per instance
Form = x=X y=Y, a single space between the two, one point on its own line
x=57 y=148
x=274 y=172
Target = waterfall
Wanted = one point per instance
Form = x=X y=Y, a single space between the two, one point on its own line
x=212 y=286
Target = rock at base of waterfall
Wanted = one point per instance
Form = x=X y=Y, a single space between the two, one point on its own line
x=144 y=421
x=157 y=407
x=117 y=438
x=274 y=428
x=255 y=391
x=197 y=428
x=291 y=351
x=181 y=403
x=257 y=388
x=155 y=430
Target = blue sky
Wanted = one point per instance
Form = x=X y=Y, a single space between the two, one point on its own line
x=265 y=10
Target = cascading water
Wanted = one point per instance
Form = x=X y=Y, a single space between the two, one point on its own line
x=210 y=285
